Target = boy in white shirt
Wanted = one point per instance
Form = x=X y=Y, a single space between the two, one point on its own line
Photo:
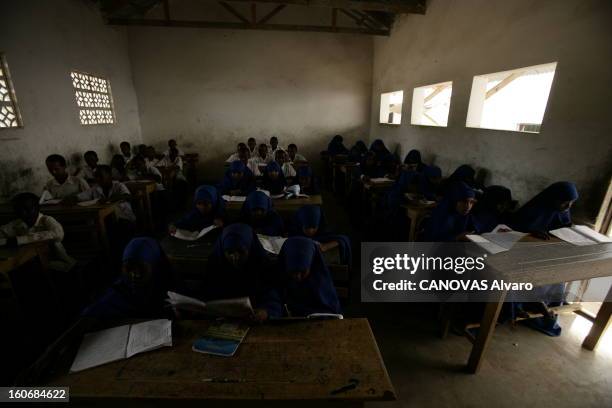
x=263 y=157
x=282 y=159
x=126 y=151
x=274 y=147
x=173 y=145
x=252 y=145
x=32 y=226
x=91 y=162
x=235 y=156
x=62 y=185
x=107 y=190
x=294 y=156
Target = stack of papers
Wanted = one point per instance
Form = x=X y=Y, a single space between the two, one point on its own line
x=237 y=199
x=88 y=203
x=580 y=235
x=380 y=180
x=271 y=244
x=121 y=342
x=192 y=235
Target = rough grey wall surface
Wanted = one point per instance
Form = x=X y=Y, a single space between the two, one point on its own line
x=43 y=41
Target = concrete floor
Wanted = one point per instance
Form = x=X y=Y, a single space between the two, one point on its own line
x=522 y=367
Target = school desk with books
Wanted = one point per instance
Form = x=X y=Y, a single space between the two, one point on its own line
x=313 y=363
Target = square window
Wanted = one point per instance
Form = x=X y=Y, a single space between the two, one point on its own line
x=391 y=107
x=431 y=104
x=511 y=100
x=93 y=98
x=10 y=117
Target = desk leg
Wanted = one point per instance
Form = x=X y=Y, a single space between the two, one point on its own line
x=485 y=332
x=601 y=323
x=148 y=211
x=413 y=222
x=103 y=234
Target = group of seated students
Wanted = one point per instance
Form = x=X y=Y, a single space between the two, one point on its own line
x=463 y=205
x=272 y=168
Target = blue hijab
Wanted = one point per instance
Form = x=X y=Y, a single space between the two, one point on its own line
x=274 y=186
x=271 y=224
x=313 y=187
x=336 y=146
x=195 y=220
x=311 y=216
x=445 y=223
x=222 y=280
x=358 y=152
x=395 y=196
x=246 y=184
x=486 y=212
x=315 y=294
x=542 y=213
x=414 y=157
x=124 y=299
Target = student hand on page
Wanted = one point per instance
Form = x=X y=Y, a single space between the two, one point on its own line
x=171 y=229
x=218 y=222
x=259 y=315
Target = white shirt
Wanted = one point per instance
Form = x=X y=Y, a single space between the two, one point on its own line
x=233 y=158
x=253 y=165
x=123 y=208
x=288 y=170
x=86 y=172
x=45 y=228
x=136 y=175
x=126 y=158
x=261 y=161
x=73 y=185
x=299 y=157
x=272 y=152
x=180 y=152
x=167 y=162
x=151 y=163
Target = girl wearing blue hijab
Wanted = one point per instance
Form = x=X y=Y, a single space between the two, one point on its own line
x=257 y=212
x=309 y=222
x=430 y=182
x=237 y=267
x=208 y=209
x=464 y=174
x=336 y=146
x=548 y=210
x=141 y=290
x=357 y=152
x=452 y=218
x=274 y=179
x=306 y=284
x=307 y=180
x=492 y=208
x=413 y=161
x=238 y=180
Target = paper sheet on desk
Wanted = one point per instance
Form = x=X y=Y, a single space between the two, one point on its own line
x=485 y=244
x=580 y=235
x=270 y=243
x=496 y=242
x=192 y=235
x=237 y=199
x=88 y=203
x=117 y=343
x=47 y=199
x=380 y=180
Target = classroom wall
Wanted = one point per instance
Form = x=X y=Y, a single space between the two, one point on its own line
x=211 y=89
x=456 y=40
x=43 y=41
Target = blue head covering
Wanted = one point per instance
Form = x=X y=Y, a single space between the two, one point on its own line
x=277 y=185
x=432 y=171
x=258 y=199
x=542 y=213
x=486 y=213
x=124 y=300
x=304 y=171
x=309 y=216
x=336 y=146
x=445 y=224
x=464 y=173
x=316 y=293
x=237 y=166
x=246 y=184
x=413 y=157
x=236 y=236
x=195 y=220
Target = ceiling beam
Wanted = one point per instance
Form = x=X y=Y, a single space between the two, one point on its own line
x=271 y=14
x=233 y=12
x=504 y=83
x=242 y=26
x=389 y=6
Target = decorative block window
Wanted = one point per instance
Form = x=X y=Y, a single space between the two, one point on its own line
x=94 y=99
x=511 y=100
x=391 y=107
x=430 y=104
x=9 y=111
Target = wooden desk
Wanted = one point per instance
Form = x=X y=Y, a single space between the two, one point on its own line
x=303 y=363
x=345 y=169
x=77 y=219
x=416 y=211
x=545 y=263
x=141 y=191
x=12 y=258
x=285 y=208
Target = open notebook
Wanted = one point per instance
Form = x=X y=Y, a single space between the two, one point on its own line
x=238 y=199
x=271 y=244
x=192 y=235
x=238 y=307
x=580 y=235
x=501 y=239
x=121 y=342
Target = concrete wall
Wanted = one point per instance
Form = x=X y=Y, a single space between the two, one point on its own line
x=211 y=89
x=456 y=40
x=43 y=41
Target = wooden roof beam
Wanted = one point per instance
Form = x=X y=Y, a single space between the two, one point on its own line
x=389 y=6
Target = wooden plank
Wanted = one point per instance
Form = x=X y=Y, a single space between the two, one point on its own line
x=234 y=12
x=390 y=6
x=312 y=361
x=166 y=10
x=358 y=20
x=485 y=333
x=271 y=14
x=505 y=82
x=241 y=26
x=600 y=324
x=436 y=91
